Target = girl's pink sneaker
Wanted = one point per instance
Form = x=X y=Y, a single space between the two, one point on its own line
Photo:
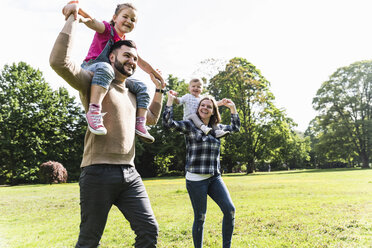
x=141 y=130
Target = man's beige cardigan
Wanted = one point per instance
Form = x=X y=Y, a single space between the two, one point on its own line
x=117 y=147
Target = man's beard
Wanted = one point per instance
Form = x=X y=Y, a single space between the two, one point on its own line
x=120 y=67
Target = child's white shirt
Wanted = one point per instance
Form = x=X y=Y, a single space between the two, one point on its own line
x=190 y=104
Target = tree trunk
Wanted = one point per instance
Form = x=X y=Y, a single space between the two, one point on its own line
x=251 y=168
x=365 y=160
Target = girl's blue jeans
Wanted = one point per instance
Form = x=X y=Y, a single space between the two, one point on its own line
x=104 y=74
x=217 y=190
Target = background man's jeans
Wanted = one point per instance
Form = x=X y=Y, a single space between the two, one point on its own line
x=102 y=186
x=216 y=189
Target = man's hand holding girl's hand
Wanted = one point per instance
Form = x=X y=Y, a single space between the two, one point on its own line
x=72 y=8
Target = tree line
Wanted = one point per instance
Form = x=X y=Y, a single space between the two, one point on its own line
x=39 y=124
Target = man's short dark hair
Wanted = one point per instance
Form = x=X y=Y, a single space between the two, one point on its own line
x=118 y=44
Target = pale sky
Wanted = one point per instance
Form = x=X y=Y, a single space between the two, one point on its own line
x=295 y=44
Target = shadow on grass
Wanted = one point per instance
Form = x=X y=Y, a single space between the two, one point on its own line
x=163 y=178
x=262 y=173
x=273 y=173
x=37 y=185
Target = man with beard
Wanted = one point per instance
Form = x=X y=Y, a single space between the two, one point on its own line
x=108 y=175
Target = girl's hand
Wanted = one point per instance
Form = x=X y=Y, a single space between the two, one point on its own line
x=157 y=73
x=84 y=20
x=155 y=80
x=84 y=17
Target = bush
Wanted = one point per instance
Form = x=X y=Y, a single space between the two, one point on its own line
x=172 y=173
x=329 y=165
x=52 y=172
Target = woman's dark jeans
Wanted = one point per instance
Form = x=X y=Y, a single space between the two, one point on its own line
x=217 y=190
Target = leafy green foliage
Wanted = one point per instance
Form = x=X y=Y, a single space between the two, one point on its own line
x=343 y=128
x=38 y=124
x=266 y=136
x=168 y=145
x=266 y=133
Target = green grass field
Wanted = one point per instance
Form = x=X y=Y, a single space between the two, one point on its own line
x=307 y=208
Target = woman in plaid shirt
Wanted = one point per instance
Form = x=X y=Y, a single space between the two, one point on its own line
x=203 y=175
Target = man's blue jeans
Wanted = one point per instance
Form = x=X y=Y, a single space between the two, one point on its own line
x=102 y=186
x=217 y=190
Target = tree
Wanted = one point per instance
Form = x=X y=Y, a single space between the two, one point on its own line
x=329 y=148
x=208 y=68
x=263 y=125
x=38 y=124
x=344 y=105
x=169 y=147
x=286 y=148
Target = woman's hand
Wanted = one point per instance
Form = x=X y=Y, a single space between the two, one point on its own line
x=171 y=98
x=230 y=104
x=173 y=93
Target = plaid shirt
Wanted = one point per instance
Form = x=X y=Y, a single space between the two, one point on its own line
x=203 y=151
